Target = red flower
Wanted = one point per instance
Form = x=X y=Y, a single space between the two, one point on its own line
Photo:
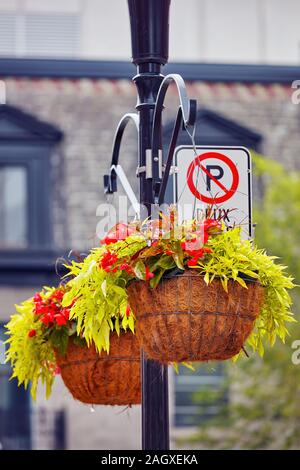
x=119 y=232
x=169 y=252
x=126 y=267
x=183 y=245
x=190 y=246
x=66 y=313
x=37 y=298
x=192 y=261
x=128 y=311
x=31 y=333
x=60 y=319
x=211 y=223
x=149 y=274
x=57 y=370
x=197 y=254
x=40 y=309
x=206 y=227
x=47 y=318
x=107 y=260
x=201 y=236
x=57 y=295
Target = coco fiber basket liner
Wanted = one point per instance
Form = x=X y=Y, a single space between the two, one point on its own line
x=183 y=319
x=106 y=379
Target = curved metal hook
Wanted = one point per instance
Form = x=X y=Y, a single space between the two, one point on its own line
x=119 y=134
x=186 y=115
x=188 y=111
x=110 y=181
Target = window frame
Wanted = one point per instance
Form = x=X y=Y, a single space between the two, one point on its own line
x=29 y=142
x=35 y=159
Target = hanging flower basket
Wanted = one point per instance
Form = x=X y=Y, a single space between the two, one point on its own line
x=103 y=379
x=44 y=340
x=184 y=319
x=194 y=291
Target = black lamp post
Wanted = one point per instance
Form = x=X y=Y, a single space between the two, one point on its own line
x=150 y=50
x=149 y=20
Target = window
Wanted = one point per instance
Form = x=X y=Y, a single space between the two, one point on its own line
x=13 y=207
x=39 y=34
x=199 y=395
x=27 y=254
x=25 y=149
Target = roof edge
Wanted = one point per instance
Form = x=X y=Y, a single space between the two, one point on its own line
x=93 y=69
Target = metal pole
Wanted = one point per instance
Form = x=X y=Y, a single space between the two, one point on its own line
x=149 y=21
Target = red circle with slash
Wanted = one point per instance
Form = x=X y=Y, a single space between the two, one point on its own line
x=229 y=192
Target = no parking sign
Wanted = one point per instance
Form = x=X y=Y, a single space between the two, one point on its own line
x=218 y=176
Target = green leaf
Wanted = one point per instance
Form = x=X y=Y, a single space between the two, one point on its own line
x=206 y=278
x=224 y=282
x=139 y=269
x=157 y=277
x=59 y=339
x=241 y=282
x=131 y=323
x=103 y=287
x=166 y=262
x=117 y=325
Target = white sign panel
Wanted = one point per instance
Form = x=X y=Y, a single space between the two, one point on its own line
x=218 y=177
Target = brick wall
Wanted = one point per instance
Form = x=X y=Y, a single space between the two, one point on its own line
x=87 y=111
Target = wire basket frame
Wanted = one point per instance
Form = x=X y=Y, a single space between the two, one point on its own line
x=183 y=319
x=104 y=379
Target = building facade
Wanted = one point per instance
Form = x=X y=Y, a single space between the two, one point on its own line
x=237 y=31
x=65 y=81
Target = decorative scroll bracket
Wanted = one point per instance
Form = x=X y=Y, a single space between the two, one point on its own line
x=160 y=171
x=186 y=117
x=110 y=180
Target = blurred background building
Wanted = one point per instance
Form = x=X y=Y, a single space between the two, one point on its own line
x=65 y=82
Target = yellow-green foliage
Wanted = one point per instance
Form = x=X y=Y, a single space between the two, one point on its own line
x=32 y=359
x=233 y=258
x=101 y=297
